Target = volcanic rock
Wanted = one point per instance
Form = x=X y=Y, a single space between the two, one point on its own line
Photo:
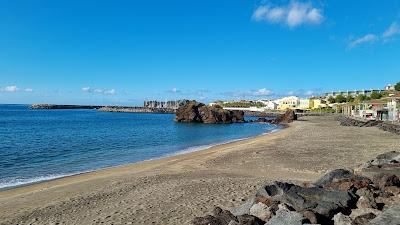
x=194 y=112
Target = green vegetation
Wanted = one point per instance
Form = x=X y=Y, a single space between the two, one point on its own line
x=243 y=104
x=349 y=99
x=376 y=95
x=361 y=98
x=340 y=99
x=397 y=86
x=331 y=100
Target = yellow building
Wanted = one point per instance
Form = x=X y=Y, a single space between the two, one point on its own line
x=291 y=102
x=317 y=103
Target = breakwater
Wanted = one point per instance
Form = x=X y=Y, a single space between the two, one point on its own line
x=126 y=109
x=52 y=106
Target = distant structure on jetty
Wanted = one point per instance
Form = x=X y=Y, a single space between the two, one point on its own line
x=164 y=105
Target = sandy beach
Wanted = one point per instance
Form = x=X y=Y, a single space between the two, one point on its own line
x=174 y=190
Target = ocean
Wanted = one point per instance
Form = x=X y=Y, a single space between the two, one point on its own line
x=39 y=145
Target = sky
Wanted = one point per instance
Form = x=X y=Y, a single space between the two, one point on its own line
x=123 y=52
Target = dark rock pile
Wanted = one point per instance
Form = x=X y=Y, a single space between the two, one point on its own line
x=390 y=127
x=350 y=122
x=341 y=197
x=195 y=112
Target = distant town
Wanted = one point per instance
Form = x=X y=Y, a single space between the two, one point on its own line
x=378 y=104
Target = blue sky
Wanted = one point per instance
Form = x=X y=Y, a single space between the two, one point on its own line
x=123 y=52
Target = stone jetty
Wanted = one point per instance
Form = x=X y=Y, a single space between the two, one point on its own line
x=368 y=195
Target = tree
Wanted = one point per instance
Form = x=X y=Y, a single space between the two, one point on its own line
x=361 y=98
x=340 y=99
x=376 y=95
x=331 y=99
x=397 y=86
x=349 y=99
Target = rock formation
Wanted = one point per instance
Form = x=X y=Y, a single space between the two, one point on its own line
x=341 y=197
x=195 y=112
x=288 y=117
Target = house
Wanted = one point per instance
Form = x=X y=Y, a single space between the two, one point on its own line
x=304 y=103
x=317 y=103
x=291 y=102
x=376 y=109
x=268 y=104
x=393 y=107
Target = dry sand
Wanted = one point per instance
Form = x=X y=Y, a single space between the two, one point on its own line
x=174 y=190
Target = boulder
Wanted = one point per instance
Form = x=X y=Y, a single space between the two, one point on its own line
x=389 y=217
x=385 y=180
x=194 y=112
x=244 y=209
x=334 y=175
x=388 y=158
x=219 y=217
x=261 y=211
x=286 y=217
x=318 y=200
x=288 y=117
x=361 y=212
x=340 y=219
x=363 y=219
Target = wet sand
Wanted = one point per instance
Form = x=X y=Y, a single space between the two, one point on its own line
x=173 y=190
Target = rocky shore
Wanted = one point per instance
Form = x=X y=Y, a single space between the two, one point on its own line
x=369 y=195
x=386 y=126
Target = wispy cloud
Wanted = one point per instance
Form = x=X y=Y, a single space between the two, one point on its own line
x=15 y=88
x=393 y=29
x=292 y=15
x=263 y=92
x=174 y=91
x=369 y=38
x=388 y=34
x=99 y=91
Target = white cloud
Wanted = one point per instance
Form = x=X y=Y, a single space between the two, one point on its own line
x=369 y=38
x=253 y=93
x=12 y=88
x=394 y=29
x=110 y=92
x=262 y=92
x=99 y=91
x=28 y=90
x=86 y=89
x=294 y=14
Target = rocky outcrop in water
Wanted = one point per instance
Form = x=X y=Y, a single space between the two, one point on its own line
x=195 y=112
x=341 y=197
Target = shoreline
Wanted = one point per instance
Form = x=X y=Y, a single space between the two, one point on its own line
x=176 y=189
x=115 y=169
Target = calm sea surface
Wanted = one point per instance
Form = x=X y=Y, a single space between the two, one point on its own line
x=38 y=145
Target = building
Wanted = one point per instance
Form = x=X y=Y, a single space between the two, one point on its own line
x=318 y=103
x=353 y=94
x=304 y=103
x=371 y=110
x=269 y=104
x=390 y=87
x=291 y=102
x=393 y=106
x=164 y=104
